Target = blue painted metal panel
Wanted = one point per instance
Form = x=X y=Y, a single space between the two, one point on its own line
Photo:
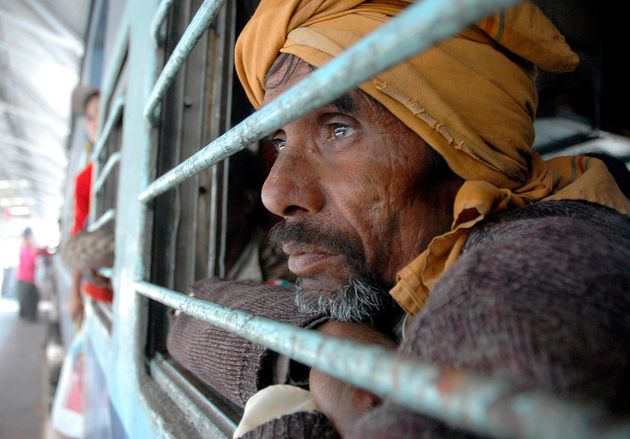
x=121 y=354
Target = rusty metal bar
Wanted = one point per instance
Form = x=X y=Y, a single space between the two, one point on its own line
x=483 y=405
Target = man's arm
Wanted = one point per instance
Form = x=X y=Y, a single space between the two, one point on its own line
x=75 y=301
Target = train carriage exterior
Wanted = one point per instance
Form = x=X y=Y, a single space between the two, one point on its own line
x=172 y=113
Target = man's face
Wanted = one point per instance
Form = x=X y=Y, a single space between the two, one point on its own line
x=355 y=188
x=91 y=118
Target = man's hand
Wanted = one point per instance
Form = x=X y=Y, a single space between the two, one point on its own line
x=75 y=306
x=342 y=403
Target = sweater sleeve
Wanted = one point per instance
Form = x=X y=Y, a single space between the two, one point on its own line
x=298 y=425
x=232 y=365
x=539 y=302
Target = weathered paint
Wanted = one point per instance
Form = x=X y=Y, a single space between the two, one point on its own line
x=132 y=392
x=480 y=404
x=418 y=28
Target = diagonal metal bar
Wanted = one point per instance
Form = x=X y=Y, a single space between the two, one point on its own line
x=108 y=216
x=421 y=25
x=200 y=22
x=112 y=161
x=480 y=404
x=112 y=120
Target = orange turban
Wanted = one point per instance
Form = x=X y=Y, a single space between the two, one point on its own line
x=471 y=97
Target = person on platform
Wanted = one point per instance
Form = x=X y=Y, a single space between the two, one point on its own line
x=28 y=294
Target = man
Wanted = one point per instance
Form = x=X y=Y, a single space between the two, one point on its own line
x=86 y=252
x=422 y=187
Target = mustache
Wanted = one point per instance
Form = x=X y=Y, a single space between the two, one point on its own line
x=308 y=232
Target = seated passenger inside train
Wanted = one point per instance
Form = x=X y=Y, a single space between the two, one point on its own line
x=416 y=215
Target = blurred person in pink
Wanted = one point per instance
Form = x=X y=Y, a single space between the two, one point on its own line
x=28 y=295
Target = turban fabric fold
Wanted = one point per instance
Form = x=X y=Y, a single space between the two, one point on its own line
x=471 y=97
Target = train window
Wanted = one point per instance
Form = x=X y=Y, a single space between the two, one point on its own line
x=179 y=170
x=190 y=235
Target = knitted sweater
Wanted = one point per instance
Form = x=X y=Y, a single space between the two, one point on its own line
x=539 y=297
x=232 y=365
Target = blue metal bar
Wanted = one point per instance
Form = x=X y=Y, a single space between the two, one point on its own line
x=112 y=161
x=418 y=28
x=483 y=405
x=200 y=22
x=158 y=19
x=112 y=120
x=108 y=216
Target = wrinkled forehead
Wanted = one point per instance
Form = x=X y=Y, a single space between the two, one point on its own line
x=287 y=70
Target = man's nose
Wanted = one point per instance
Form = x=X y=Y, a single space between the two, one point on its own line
x=292 y=187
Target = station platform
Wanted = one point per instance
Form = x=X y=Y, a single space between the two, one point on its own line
x=25 y=392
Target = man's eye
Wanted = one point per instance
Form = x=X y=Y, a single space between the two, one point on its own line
x=278 y=143
x=340 y=131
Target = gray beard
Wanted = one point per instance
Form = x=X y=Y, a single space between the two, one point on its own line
x=358 y=301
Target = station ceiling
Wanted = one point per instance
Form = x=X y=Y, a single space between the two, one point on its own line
x=41 y=46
